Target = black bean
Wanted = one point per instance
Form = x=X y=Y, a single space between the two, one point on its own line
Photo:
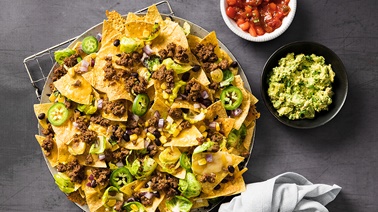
x=134 y=74
x=196 y=68
x=185 y=110
x=93 y=183
x=157 y=134
x=146 y=185
x=231 y=169
x=157 y=195
x=41 y=116
x=116 y=42
x=118 y=55
x=217 y=187
x=234 y=64
x=206 y=102
x=150 y=147
x=185 y=76
x=126 y=137
x=157 y=142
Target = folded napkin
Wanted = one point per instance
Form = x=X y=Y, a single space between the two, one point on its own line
x=284 y=193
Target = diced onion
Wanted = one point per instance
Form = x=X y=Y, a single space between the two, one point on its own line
x=135 y=117
x=144 y=56
x=196 y=105
x=237 y=112
x=99 y=103
x=157 y=114
x=119 y=164
x=75 y=124
x=101 y=156
x=213 y=124
x=99 y=37
x=147 y=49
x=209 y=158
x=204 y=94
x=161 y=123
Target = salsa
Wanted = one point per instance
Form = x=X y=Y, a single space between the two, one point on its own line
x=258 y=16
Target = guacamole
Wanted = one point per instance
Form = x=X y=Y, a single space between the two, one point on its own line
x=300 y=86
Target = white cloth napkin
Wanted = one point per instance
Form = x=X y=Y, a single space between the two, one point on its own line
x=284 y=193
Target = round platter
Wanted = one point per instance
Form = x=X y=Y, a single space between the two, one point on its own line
x=195 y=30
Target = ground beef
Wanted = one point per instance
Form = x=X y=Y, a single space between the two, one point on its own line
x=165 y=182
x=74 y=170
x=98 y=119
x=48 y=131
x=214 y=86
x=69 y=104
x=120 y=154
x=71 y=61
x=82 y=122
x=101 y=175
x=136 y=85
x=118 y=206
x=118 y=133
x=48 y=144
x=208 y=178
x=89 y=136
x=77 y=198
x=175 y=113
x=181 y=55
x=193 y=90
x=164 y=75
x=89 y=159
x=223 y=64
x=152 y=124
x=77 y=83
x=201 y=140
x=58 y=73
x=209 y=67
x=205 y=53
x=117 y=107
x=185 y=125
x=152 y=150
x=215 y=136
x=133 y=126
x=128 y=60
x=143 y=199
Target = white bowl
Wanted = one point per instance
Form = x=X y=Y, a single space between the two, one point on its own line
x=267 y=36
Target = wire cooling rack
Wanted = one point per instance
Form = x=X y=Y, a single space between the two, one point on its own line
x=39 y=65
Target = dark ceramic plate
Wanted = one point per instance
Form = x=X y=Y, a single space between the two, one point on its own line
x=339 y=87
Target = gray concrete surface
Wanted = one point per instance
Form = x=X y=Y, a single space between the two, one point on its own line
x=343 y=152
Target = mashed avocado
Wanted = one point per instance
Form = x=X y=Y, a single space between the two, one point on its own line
x=300 y=86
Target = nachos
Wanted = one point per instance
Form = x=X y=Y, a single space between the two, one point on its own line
x=146 y=117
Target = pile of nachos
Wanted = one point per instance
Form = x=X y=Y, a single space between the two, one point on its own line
x=145 y=116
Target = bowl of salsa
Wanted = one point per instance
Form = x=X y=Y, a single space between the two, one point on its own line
x=258 y=20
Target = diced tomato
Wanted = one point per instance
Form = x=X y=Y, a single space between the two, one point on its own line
x=259 y=30
x=244 y=26
x=252 y=31
x=231 y=2
x=240 y=21
x=273 y=6
x=231 y=12
x=248 y=9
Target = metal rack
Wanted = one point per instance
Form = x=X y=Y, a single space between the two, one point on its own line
x=39 y=65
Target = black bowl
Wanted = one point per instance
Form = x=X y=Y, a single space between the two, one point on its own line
x=339 y=86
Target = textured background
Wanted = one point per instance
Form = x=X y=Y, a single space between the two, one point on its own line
x=343 y=152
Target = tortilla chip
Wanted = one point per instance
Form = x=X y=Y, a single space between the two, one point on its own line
x=63 y=154
x=116 y=20
x=225 y=56
x=248 y=138
x=201 y=77
x=96 y=161
x=80 y=94
x=139 y=29
x=160 y=106
x=227 y=124
x=200 y=203
x=93 y=198
x=184 y=104
x=65 y=132
x=221 y=160
x=155 y=204
x=216 y=109
x=153 y=15
x=42 y=108
x=186 y=138
x=133 y=17
x=139 y=144
x=227 y=189
x=193 y=41
x=238 y=82
x=53 y=157
x=170 y=33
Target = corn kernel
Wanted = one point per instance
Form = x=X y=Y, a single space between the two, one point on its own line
x=202 y=128
x=217 y=127
x=165 y=95
x=133 y=137
x=146 y=124
x=202 y=161
x=204 y=134
x=176 y=132
x=151 y=136
x=163 y=86
x=163 y=139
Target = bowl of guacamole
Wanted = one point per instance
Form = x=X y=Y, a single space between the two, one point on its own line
x=304 y=84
